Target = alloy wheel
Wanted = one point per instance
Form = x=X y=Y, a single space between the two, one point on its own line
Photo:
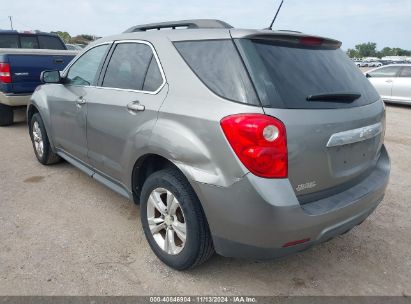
x=166 y=221
x=38 y=139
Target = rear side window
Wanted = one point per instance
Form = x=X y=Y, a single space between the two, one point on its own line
x=50 y=42
x=406 y=71
x=128 y=66
x=84 y=70
x=286 y=75
x=153 y=78
x=29 y=42
x=390 y=71
x=9 y=41
x=219 y=66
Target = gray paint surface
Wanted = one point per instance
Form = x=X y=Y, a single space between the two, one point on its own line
x=181 y=123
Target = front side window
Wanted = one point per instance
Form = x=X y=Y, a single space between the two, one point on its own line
x=390 y=71
x=50 y=42
x=29 y=42
x=84 y=70
x=133 y=66
x=219 y=66
x=406 y=71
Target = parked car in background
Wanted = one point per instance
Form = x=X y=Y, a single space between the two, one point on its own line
x=375 y=64
x=386 y=62
x=393 y=82
x=220 y=135
x=23 y=56
x=357 y=62
x=370 y=64
x=73 y=47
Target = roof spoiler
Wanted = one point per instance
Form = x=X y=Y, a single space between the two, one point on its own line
x=188 y=24
x=296 y=38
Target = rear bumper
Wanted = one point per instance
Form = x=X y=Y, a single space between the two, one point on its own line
x=14 y=100
x=255 y=217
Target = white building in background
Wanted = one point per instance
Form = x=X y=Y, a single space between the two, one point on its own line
x=371 y=59
x=396 y=58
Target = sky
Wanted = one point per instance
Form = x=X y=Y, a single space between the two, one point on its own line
x=387 y=23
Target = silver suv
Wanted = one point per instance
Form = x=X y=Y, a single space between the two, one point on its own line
x=250 y=143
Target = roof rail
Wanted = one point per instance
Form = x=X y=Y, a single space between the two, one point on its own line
x=188 y=24
x=291 y=31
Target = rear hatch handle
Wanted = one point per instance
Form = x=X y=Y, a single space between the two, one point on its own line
x=355 y=135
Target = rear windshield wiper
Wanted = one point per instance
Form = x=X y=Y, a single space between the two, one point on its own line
x=335 y=97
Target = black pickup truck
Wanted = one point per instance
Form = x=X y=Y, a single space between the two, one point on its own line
x=23 y=56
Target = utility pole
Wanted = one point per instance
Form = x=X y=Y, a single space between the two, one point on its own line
x=11 y=22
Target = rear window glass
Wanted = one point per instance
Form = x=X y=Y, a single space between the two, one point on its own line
x=50 y=42
x=219 y=66
x=29 y=42
x=286 y=75
x=9 y=41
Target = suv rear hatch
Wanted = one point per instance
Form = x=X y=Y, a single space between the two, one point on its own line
x=334 y=118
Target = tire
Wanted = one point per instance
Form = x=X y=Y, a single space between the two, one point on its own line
x=6 y=115
x=38 y=135
x=198 y=246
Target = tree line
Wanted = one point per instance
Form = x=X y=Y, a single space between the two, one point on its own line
x=369 y=49
x=79 y=39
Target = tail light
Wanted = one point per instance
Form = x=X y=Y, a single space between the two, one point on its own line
x=5 y=75
x=260 y=142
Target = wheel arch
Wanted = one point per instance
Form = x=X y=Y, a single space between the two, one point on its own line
x=146 y=165
x=34 y=107
x=31 y=110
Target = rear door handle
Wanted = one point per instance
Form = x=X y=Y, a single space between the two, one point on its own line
x=80 y=101
x=388 y=81
x=58 y=60
x=135 y=106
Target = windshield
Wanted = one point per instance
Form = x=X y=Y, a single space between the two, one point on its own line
x=286 y=76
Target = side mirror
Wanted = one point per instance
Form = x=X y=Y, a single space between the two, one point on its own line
x=50 y=77
x=367 y=75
